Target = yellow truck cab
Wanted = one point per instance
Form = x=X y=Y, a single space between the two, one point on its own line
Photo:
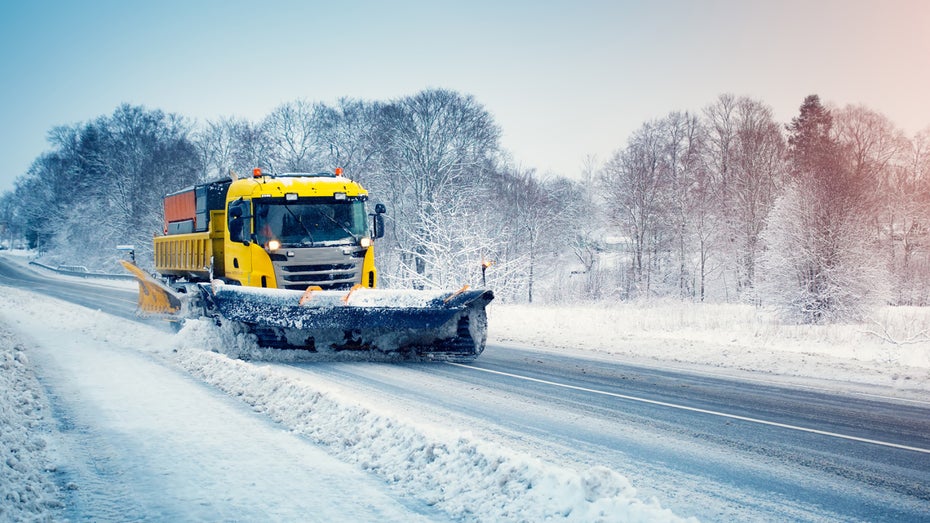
x=286 y=231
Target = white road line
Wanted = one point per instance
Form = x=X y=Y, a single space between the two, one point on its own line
x=667 y=366
x=702 y=411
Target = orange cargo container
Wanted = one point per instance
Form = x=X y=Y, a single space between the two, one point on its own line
x=180 y=206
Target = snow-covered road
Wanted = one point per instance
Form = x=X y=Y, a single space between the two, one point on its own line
x=673 y=434
x=518 y=435
x=141 y=441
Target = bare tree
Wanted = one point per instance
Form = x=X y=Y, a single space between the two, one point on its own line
x=226 y=145
x=904 y=220
x=353 y=140
x=438 y=145
x=635 y=182
x=684 y=142
x=703 y=220
x=537 y=213
x=295 y=133
x=756 y=176
x=745 y=157
x=877 y=153
x=587 y=231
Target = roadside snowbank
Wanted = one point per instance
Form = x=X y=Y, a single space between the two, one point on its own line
x=454 y=471
x=27 y=490
x=891 y=350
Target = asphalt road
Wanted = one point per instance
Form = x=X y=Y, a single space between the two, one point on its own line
x=112 y=300
x=718 y=448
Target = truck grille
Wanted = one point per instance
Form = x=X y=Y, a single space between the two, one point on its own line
x=331 y=268
x=319 y=268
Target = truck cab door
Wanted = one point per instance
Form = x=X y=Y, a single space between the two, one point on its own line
x=237 y=242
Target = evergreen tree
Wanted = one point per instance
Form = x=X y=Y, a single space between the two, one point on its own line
x=820 y=265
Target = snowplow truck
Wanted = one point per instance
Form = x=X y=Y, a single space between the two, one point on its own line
x=290 y=257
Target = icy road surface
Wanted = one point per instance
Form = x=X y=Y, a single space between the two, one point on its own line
x=701 y=444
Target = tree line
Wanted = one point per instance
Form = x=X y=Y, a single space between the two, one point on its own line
x=820 y=217
x=823 y=217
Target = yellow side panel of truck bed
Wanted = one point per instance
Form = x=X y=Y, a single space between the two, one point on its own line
x=184 y=255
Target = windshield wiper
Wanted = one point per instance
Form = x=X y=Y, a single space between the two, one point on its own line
x=341 y=226
x=306 y=230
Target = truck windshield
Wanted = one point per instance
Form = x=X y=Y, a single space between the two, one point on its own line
x=308 y=222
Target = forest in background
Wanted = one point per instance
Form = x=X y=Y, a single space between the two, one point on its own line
x=821 y=218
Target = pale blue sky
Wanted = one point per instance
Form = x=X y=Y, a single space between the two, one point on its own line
x=563 y=79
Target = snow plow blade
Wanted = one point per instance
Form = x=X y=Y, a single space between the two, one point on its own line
x=434 y=324
x=155 y=299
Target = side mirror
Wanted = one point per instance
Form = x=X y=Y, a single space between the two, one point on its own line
x=238 y=227
x=378 y=225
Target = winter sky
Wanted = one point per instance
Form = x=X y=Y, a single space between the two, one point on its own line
x=563 y=79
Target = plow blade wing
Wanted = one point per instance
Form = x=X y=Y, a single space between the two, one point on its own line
x=155 y=298
x=429 y=323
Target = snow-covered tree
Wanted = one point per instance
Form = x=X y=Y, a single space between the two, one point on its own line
x=102 y=184
x=820 y=263
x=904 y=220
x=816 y=269
x=296 y=133
x=635 y=185
x=684 y=142
x=231 y=145
x=745 y=157
x=437 y=146
x=352 y=133
x=648 y=188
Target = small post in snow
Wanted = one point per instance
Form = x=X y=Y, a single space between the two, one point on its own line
x=484 y=267
x=131 y=249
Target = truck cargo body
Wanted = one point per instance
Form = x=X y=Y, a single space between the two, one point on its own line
x=194 y=232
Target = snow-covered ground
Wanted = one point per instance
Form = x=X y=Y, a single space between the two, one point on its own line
x=27 y=491
x=890 y=353
x=443 y=471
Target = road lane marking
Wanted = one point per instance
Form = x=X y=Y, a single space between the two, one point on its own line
x=690 y=369
x=701 y=411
